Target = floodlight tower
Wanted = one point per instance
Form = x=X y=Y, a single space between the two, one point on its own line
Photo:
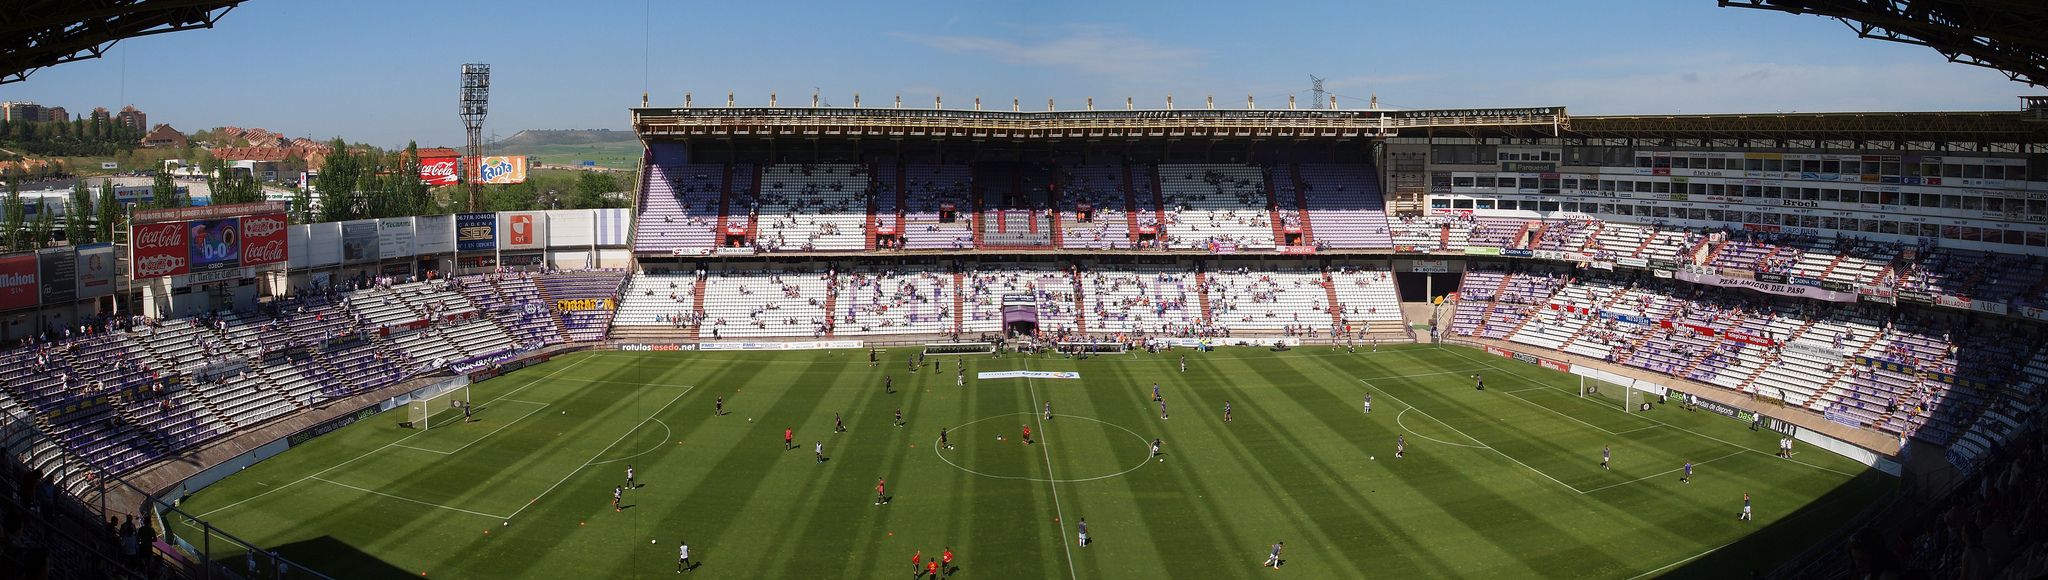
x=476 y=98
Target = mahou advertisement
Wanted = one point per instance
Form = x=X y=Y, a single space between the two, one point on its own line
x=263 y=239
x=159 y=250
x=18 y=282
x=439 y=171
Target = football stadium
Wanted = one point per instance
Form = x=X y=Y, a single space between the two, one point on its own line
x=1100 y=339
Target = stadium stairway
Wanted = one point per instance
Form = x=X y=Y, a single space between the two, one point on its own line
x=1336 y=307
x=1591 y=236
x=1820 y=395
x=697 y=307
x=1308 y=230
x=1202 y=292
x=959 y=301
x=724 y=207
x=1158 y=201
x=874 y=202
x=1130 y=206
x=754 y=215
x=1273 y=208
x=1616 y=294
x=1080 y=302
x=831 y=304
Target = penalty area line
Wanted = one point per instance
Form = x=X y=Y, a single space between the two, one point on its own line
x=601 y=452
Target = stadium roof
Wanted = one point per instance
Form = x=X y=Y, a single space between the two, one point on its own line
x=2008 y=35
x=40 y=33
x=1761 y=129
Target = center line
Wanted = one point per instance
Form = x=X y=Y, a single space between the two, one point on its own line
x=1051 y=479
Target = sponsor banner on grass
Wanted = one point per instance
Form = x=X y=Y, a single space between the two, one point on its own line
x=18 y=282
x=639 y=347
x=804 y=345
x=1554 y=365
x=1028 y=375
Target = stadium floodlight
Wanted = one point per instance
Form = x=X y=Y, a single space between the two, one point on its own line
x=446 y=407
x=475 y=103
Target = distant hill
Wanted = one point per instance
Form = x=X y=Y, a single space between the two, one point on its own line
x=533 y=138
x=616 y=149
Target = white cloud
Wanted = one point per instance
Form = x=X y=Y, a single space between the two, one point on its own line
x=1093 y=50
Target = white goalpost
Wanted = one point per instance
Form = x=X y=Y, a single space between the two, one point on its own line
x=1629 y=398
x=447 y=407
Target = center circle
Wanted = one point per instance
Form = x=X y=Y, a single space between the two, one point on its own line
x=961 y=435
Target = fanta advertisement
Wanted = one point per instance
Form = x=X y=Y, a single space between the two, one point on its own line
x=501 y=170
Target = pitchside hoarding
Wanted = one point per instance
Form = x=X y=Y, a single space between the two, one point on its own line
x=439 y=171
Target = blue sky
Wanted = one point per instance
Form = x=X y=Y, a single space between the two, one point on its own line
x=384 y=71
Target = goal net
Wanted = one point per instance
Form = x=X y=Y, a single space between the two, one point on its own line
x=1628 y=398
x=940 y=348
x=432 y=411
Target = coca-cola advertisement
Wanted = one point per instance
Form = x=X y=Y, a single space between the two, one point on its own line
x=159 y=250
x=264 y=239
x=18 y=282
x=215 y=244
x=439 y=171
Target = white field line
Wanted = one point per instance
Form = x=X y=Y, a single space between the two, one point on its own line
x=400 y=440
x=402 y=498
x=1510 y=371
x=1470 y=437
x=601 y=452
x=486 y=435
x=1051 y=480
x=1663 y=473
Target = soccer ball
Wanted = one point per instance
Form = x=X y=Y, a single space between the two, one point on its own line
x=1372 y=458
x=650 y=541
x=505 y=524
x=750 y=419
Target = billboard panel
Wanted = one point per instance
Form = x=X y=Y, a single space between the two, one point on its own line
x=503 y=169
x=569 y=228
x=434 y=234
x=264 y=240
x=158 y=250
x=95 y=269
x=476 y=231
x=18 y=281
x=297 y=241
x=394 y=237
x=323 y=243
x=59 y=271
x=522 y=230
x=214 y=244
x=613 y=226
x=439 y=171
x=358 y=241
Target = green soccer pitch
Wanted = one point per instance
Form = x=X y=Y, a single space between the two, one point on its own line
x=1500 y=483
